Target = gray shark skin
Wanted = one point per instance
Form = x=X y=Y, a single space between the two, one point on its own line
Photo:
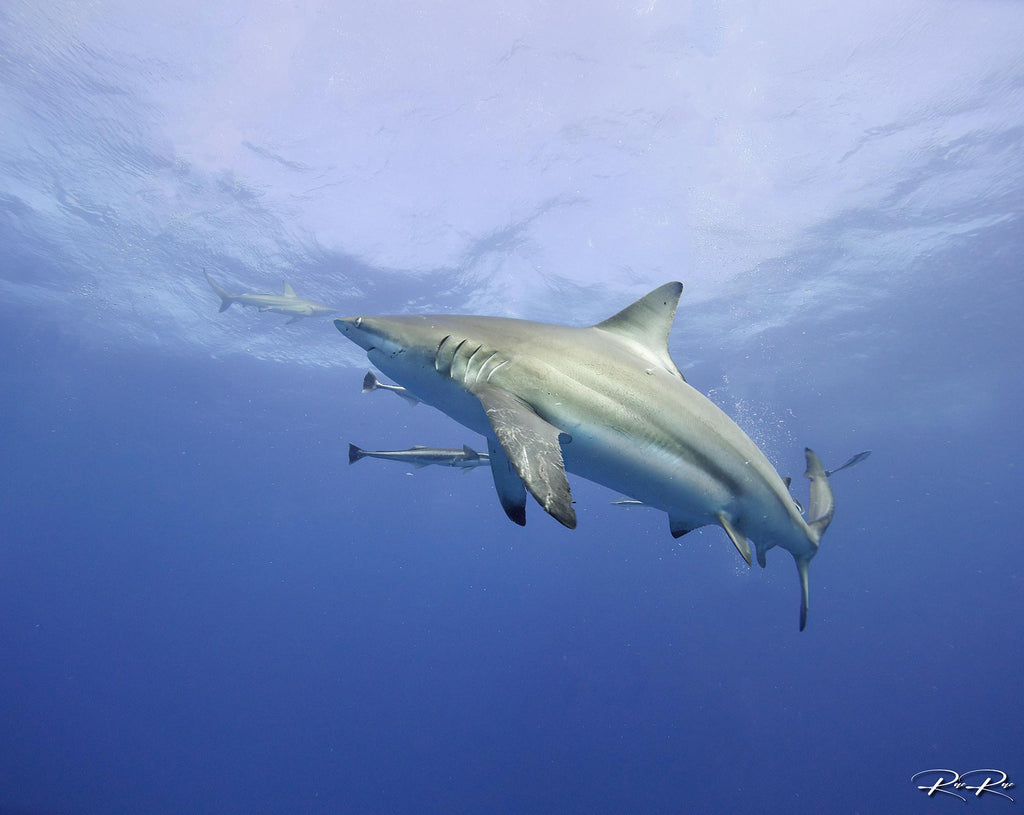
x=286 y=303
x=466 y=459
x=605 y=402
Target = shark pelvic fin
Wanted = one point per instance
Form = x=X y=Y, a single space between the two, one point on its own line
x=532 y=445
x=739 y=540
x=646 y=324
x=507 y=484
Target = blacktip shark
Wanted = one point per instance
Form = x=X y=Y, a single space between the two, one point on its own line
x=420 y=456
x=287 y=303
x=371 y=384
x=605 y=402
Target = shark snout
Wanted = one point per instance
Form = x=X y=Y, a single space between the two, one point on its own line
x=353 y=328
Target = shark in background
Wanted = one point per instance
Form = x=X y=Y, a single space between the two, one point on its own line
x=466 y=459
x=605 y=402
x=286 y=303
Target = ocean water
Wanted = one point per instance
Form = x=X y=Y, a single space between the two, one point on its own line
x=204 y=608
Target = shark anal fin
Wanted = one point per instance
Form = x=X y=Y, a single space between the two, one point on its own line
x=531 y=444
x=739 y=540
x=507 y=484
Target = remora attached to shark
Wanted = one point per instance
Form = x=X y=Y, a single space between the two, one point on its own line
x=287 y=303
x=605 y=402
x=419 y=456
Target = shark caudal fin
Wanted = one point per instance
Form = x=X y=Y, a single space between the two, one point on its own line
x=820 y=512
x=354 y=453
x=226 y=299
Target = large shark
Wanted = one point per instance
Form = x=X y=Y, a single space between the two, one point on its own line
x=287 y=303
x=605 y=402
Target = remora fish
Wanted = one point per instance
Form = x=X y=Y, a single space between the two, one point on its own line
x=605 y=402
x=419 y=456
x=287 y=303
x=371 y=383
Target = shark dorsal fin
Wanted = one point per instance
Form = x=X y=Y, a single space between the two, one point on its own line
x=289 y=291
x=646 y=324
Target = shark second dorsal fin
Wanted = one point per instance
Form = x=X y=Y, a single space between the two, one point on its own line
x=533 y=447
x=646 y=324
x=289 y=291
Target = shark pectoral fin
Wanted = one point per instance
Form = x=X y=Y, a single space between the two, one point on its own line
x=738 y=539
x=531 y=444
x=801 y=567
x=507 y=483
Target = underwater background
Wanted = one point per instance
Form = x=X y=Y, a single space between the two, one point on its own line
x=204 y=608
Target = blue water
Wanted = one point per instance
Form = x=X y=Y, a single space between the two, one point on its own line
x=204 y=608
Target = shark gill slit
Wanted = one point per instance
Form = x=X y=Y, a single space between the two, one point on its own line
x=469 y=361
x=455 y=354
x=437 y=353
x=495 y=368
x=483 y=366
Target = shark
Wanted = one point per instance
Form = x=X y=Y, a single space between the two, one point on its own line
x=286 y=303
x=850 y=462
x=605 y=402
x=419 y=456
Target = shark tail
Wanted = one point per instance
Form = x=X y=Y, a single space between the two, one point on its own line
x=369 y=382
x=355 y=453
x=226 y=299
x=821 y=510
